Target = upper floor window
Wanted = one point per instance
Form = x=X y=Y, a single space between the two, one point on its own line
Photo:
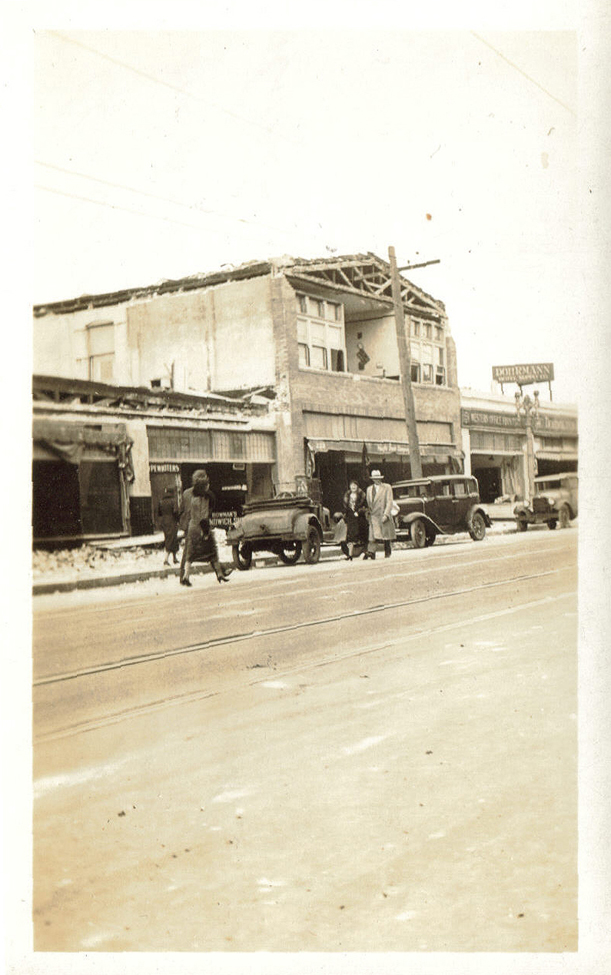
x=101 y=351
x=438 y=333
x=320 y=334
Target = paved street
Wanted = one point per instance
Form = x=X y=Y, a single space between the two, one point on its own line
x=343 y=757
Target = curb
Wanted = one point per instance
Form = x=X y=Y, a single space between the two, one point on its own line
x=71 y=585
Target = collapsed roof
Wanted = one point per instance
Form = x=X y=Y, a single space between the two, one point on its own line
x=362 y=274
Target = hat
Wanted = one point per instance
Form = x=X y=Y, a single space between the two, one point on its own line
x=200 y=475
x=377 y=475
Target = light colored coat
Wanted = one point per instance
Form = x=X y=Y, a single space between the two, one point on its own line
x=378 y=508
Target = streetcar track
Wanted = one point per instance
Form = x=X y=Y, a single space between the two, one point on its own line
x=267 y=596
x=272 y=631
x=195 y=696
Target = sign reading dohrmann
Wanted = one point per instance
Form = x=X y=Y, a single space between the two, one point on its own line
x=523 y=375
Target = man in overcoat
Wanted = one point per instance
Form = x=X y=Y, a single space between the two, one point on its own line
x=381 y=524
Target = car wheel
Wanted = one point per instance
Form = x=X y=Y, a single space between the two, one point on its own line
x=478 y=527
x=521 y=524
x=311 y=548
x=552 y=524
x=418 y=533
x=564 y=516
x=290 y=552
x=242 y=555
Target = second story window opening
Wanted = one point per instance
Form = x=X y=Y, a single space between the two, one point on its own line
x=100 y=351
x=320 y=334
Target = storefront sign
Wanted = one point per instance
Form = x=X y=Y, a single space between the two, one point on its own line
x=223 y=519
x=555 y=424
x=523 y=375
x=542 y=422
x=164 y=468
x=486 y=418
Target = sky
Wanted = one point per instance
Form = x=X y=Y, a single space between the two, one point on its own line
x=160 y=154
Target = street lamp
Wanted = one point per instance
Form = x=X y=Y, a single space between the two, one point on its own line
x=528 y=409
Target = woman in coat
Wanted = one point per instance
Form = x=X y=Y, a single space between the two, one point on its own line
x=200 y=545
x=381 y=524
x=167 y=510
x=355 y=515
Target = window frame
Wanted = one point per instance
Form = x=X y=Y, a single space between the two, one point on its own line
x=330 y=321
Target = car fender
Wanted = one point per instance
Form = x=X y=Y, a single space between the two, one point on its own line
x=404 y=521
x=235 y=533
x=303 y=522
x=482 y=511
x=523 y=511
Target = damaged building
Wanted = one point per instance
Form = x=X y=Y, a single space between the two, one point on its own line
x=103 y=455
x=317 y=337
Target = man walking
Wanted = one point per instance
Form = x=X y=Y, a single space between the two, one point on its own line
x=185 y=517
x=381 y=524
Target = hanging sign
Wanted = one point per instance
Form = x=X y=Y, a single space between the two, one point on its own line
x=525 y=374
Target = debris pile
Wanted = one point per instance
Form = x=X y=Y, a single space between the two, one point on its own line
x=91 y=561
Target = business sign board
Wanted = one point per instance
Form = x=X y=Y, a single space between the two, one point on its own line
x=523 y=375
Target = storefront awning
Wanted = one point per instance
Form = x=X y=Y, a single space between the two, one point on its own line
x=556 y=455
x=435 y=453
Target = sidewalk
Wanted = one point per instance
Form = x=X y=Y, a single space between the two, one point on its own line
x=130 y=560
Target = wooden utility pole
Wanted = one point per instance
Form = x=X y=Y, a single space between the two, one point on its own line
x=403 y=345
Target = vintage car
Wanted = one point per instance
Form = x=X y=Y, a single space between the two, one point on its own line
x=439 y=505
x=554 y=502
x=287 y=525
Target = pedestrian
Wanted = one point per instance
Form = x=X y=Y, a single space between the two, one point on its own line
x=167 y=510
x=355 y=515
x=200 y=543
x=381 y=524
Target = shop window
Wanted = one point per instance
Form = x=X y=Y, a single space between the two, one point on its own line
x=100 y=496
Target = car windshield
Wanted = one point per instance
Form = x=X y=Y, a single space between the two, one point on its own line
x=543 y=486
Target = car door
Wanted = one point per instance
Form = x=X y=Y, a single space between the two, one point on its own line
x=441 y=506
x=464 y=498
x=409 y=499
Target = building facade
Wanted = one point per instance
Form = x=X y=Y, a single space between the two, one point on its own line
x=495 y=442
x=317 y=336
x=103 y=456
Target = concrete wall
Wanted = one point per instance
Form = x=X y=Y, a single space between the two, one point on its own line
x=220 y=338
x=379 y=342
x=59 y=343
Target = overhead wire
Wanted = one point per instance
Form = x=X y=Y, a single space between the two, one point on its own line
x=154 y=196
x=176 y=88
x=525 y=75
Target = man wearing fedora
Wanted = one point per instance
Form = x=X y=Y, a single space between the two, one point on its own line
x=381 y=524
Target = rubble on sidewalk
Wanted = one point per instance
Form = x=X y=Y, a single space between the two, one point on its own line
x=93 y=561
